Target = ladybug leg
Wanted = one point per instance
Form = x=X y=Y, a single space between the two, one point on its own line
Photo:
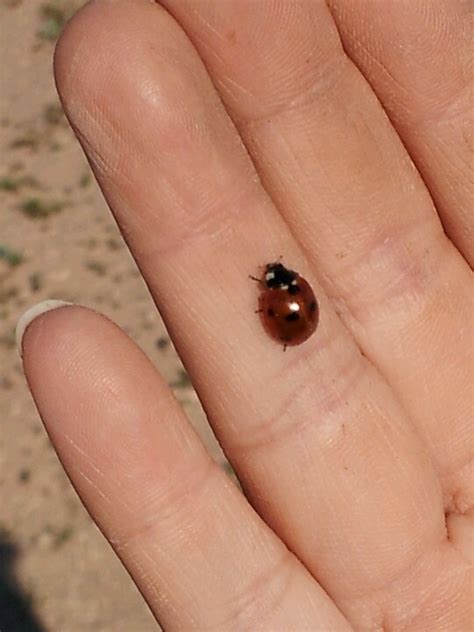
x=258 y=311
x=259 y=281
x=284 y=347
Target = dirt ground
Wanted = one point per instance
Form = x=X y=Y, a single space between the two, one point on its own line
x=58 y=240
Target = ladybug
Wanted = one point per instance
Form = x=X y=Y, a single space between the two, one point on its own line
x=287 y=305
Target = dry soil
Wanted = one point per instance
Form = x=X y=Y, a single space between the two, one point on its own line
x=58 y=240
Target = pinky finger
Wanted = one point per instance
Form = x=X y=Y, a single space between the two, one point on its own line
x=197 y=551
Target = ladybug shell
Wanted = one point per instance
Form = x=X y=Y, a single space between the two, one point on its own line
x=289 y=318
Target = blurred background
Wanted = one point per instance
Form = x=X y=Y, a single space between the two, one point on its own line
x=58 y=240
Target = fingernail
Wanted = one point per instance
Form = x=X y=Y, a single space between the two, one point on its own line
x=29 y=316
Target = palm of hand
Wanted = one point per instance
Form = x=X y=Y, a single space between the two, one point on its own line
x=353 y=449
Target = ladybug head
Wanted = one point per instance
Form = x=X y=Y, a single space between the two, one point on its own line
x=278 y=277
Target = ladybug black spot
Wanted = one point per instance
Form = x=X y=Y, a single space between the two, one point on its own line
x=312 y=306
x=294 y=289
x=292 y=317
x=270 y=312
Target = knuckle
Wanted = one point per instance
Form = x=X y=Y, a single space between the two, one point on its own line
x=395 y=273
x=321 y=392
x=176 y=504
x=261 y=598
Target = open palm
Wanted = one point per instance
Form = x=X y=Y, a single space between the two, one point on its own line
x=225 y=134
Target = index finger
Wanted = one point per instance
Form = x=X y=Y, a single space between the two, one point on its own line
x=196 y=550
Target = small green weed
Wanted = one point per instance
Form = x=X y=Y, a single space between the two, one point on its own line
x=53 y=114
x=11 y=256
x=62 y=536
x=10 y=184
x=35 y=282
x=36 y=208
x=182 y=381
x=53 y=19
x=97 y=267
x=24 y=475
x=29 y=140
x=85 y=180
x=163 y=342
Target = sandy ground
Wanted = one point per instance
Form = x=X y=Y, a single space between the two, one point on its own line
x=57 y=240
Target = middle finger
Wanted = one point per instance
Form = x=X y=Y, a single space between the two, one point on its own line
x=345 y=184
x=198 y=221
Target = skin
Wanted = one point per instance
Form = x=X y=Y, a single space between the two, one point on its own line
x=338 y=137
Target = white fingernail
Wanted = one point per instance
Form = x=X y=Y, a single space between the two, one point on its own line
x=33 y=312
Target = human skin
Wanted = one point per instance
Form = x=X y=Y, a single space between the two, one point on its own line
x=225 y=135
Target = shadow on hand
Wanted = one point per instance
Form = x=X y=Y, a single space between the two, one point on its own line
x=16 y=613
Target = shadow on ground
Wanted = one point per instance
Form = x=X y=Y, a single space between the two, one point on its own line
x=16 y=613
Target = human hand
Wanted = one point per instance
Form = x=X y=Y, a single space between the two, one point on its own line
x=354 y=448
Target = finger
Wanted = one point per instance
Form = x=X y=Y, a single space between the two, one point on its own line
x=198 y=221
x=197 y=552
x=417 y=56
x=345 y=184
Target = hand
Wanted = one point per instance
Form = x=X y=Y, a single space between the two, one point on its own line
x=226 y=134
